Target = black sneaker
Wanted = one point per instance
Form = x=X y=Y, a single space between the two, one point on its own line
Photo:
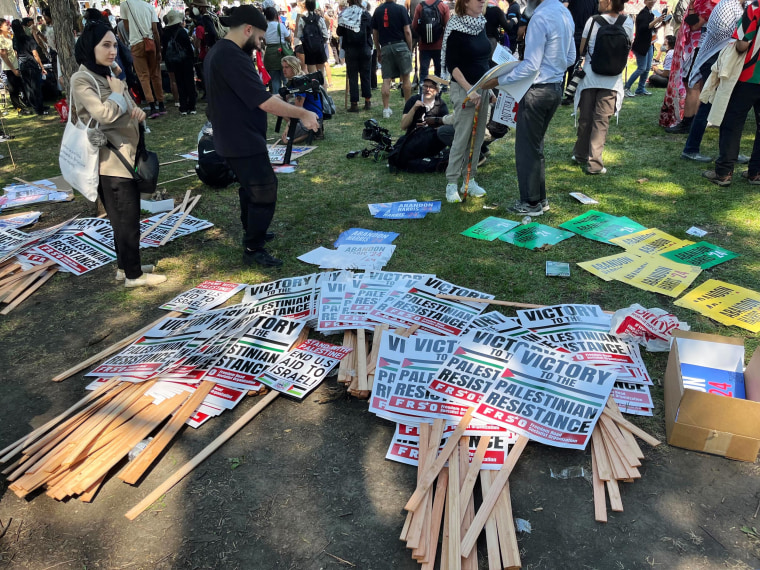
x=260 y=257
x=545 y=205
x=525 y=209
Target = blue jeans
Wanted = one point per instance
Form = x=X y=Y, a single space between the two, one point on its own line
x=697 y=130
x=278 y=79
x=643 y=66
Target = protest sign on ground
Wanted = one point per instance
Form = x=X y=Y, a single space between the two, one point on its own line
x=299 y=371
x=726 y=303
x=490 y=228
x=79 y=253
x=701 y=254
x=534 y=236
x=362 y=236
x=548 y=399
x=202 y=297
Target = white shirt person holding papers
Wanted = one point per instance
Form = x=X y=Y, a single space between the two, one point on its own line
x=549 y=51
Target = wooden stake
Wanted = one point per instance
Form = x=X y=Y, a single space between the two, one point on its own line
x=361 y=363
x=612 y=411
x=181 y=219
x=454 y=555
x=492 y=537
x=600 y=504
x=165 y=217
x=198 y=459
x=418 y=518
x=603 y=466
x=495 y=302
x=436 y=518
x=468 y=484
x=113 y=348
x=132 y=472
x=468 y=543
x=432 y=472
x=26 y=294
x=616 y=503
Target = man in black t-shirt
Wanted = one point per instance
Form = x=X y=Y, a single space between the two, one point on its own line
x=238 y=104
x=392 y=34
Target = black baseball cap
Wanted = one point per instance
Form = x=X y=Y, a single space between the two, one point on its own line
x=245 y=14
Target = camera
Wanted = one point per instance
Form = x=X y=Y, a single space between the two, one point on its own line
x=375 y=133
x=302 y=84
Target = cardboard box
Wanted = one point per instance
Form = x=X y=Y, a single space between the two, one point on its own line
x=701 y=421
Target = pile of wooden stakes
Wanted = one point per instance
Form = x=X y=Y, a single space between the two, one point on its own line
x=615 y=456
x=73 y=454
x=16 y=285
x=444 y=498
x=184 y=208
x=357 y=370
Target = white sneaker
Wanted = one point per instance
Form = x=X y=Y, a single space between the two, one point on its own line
x=146 y=279
x=629 y=93
x=387 y=113
x=452 y=195
x=474 y=190
x=144 y=268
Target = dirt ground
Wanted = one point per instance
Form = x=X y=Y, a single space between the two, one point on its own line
x=306 y=485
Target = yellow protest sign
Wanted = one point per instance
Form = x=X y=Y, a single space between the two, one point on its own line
x=650 y=242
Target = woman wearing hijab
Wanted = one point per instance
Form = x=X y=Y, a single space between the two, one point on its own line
x=30 y=67
x=466 y=53
x=98 y=100
x=355 y=27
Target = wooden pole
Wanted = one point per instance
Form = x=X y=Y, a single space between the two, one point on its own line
x=495 y=302
x=177 y=476
x=468 y=542
x=190 y=207
x=113 y=348
x=21 y=298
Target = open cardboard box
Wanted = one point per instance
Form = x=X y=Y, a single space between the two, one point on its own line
x=706 y=422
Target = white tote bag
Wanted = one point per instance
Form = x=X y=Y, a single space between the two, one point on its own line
x=79 y=159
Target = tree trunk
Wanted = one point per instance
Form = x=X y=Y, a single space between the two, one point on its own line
x=66 y=20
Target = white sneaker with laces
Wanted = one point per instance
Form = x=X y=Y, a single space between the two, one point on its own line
x=452 y=195
x=146 y=279
x=387 y=113
x=474 y=190
x=144 y=268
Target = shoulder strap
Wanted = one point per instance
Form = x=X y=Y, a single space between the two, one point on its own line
x=621 y=20
x=134 y=21
x=601 y=21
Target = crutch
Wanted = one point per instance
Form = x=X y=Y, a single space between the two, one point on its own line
x=472 y=146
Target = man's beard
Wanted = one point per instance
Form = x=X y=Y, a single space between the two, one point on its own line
x=250 y=45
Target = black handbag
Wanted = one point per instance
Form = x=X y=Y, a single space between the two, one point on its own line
x=146 y=167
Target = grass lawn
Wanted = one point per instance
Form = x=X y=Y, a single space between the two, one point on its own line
x=647 y=181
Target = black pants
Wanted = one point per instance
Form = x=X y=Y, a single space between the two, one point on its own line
x=121 y=199
x=184 y=75
x=373 y=70
x=31 y=76
x=358 y=63
x=15 y=88
x=745 y=96
x=534 y=114
x=258 y=196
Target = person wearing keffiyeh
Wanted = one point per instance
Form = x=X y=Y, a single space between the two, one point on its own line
x=466 y=55
x=355 y=27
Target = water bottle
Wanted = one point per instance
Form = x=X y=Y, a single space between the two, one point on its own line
x=526 y=220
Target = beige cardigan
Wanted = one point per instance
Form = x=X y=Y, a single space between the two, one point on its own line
x=112 y=113
x=719 y=86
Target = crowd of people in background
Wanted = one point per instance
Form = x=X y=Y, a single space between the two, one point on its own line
x=577 y=52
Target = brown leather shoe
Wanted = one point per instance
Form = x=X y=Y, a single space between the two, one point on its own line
x=354 y=108
x=367 y=104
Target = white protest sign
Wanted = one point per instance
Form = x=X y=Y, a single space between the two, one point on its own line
x=505 y=111
x=142 y=359
x=545 y=320
x=207 y=295
x=548 y=399
x=263 y=343
x=301 y=370
x=502 y=55
x=79 y=253
x=406 y=450
x=404 y=369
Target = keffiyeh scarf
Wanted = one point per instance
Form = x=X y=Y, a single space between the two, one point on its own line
x=351 y=18
x=466 y=25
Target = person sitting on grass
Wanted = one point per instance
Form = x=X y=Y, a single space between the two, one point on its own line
x=291 y=67
x=660 y=75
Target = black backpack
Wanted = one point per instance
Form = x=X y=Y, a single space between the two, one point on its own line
x=611 y=47
x=312 y=35
x=429 y=25
x=212 y=168
x=418 y=152
x=174 y=52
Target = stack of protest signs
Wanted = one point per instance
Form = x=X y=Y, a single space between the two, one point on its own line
x=28 y=260
x=530 y=236
x=37 y=192
x=728 y=304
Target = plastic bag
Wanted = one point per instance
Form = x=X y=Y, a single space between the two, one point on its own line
x=652 y=328
x=62 y=107
x=79 y=160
